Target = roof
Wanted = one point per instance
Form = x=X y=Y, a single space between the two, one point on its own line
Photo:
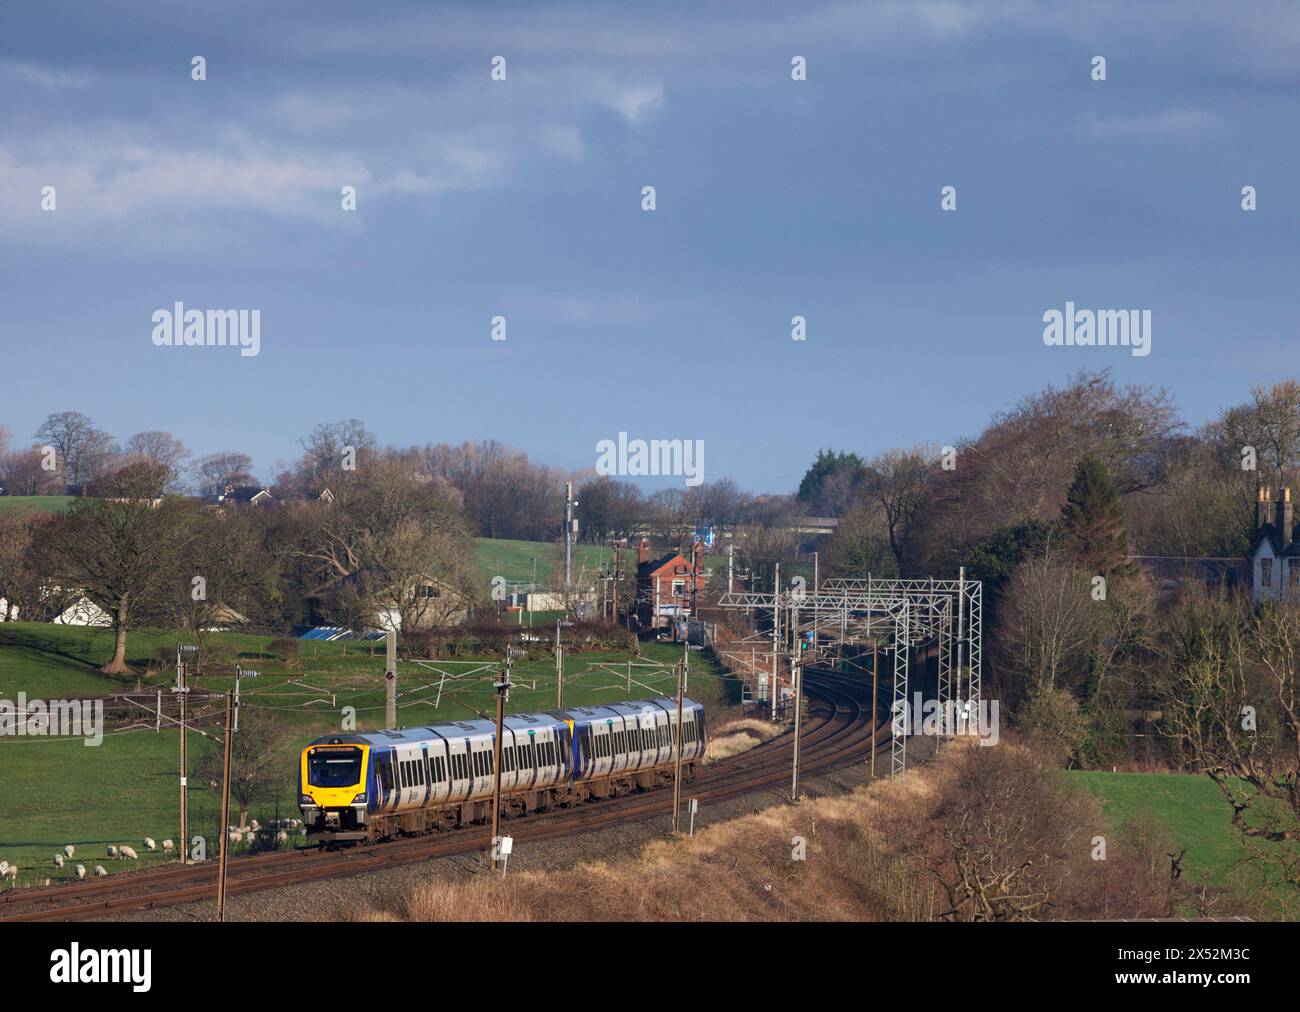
x=655 y=566
x=516 y=722
x=1271 y=533
x=245 y=493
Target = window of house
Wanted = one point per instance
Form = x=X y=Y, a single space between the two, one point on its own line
x=1266 y=571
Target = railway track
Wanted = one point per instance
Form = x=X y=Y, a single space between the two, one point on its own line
x=838 y=730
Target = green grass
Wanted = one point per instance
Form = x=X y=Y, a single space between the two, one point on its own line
x=1194 y=813
x=514 y=559
x=61 y=791
x=47 y=503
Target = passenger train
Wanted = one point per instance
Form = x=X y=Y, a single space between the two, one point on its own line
x=372 y=785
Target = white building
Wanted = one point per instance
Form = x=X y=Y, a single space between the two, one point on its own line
x=1275 y=559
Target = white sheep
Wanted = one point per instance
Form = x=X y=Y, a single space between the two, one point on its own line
x=149 y=844
x=250 y=838
x=127 y=854
x=69 y=850
x=112 y=851
x=234 y=836
x=10 y=871
x=4 y=867
x=58 y=860
x=168 y=846
x=282 y=837
x=81 y=871
x=253 y=825
x=100 y=872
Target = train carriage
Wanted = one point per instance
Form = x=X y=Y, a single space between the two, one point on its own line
x=376 y=784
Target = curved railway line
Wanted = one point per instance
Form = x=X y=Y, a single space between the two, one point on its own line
x=836 y=732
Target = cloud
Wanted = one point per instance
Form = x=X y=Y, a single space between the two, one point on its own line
x=1154 y=126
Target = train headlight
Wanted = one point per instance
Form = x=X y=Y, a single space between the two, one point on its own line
x=360 y=799
x=306 y=799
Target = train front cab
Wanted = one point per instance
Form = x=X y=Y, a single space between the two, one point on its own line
x=332 y=788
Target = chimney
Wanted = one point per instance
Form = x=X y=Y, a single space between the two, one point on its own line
x=643 y=551
x=1285 y=518
x=1263 y=510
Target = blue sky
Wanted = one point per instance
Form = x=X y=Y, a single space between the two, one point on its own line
x=522 y=198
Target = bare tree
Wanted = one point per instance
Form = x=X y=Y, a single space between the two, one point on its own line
x=1233 y=705
x=161 y=448
x=217 y=471
x=114 y=548
x=85 y=450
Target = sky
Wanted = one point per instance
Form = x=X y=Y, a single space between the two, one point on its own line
x=522 y=198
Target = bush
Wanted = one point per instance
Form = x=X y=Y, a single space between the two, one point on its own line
x=287 y=649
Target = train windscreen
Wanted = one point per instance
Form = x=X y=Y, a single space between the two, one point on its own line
x=334 y=767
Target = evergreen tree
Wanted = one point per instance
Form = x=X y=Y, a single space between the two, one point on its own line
x=1094 y=521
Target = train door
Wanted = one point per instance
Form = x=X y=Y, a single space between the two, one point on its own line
x=458 y=766
x=385 y=777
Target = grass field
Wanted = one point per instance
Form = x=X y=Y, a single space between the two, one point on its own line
x=60 y=791
x=1195 y=815
x=54 y=503
x=514 y=559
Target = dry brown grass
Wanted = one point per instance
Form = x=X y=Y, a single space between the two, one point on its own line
x=875 y=853
x=738 y=736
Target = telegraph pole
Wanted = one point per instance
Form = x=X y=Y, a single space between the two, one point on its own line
x=797 y=676
x=182 y=690
x=677 y=764
x=875 y=678
x=225 y=804
x=559 y=668
x=776 y=636
x=503 y=693
x=569 y=504
x=390 y=680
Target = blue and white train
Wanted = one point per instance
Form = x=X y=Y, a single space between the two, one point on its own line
x=378 y=784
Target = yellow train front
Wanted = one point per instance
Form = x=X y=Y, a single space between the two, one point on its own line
x=377 y=784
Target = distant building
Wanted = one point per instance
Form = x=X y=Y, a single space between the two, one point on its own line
x=666 y=586
x=254 y=495
x=1275 y=557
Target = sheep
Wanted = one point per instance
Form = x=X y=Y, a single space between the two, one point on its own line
x=81 y=872
x=100 y=872
x=234 y=836
x=253 y=825
x=168 y=846
x=149 y=844
x=58 y=860
x=4 y=867
x=10 y=871
x=127 y=854
x=112 y=851
x=282 y=837
x=69 y=850
x=250 y=838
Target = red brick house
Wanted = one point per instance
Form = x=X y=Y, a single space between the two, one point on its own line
x=666 y=587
